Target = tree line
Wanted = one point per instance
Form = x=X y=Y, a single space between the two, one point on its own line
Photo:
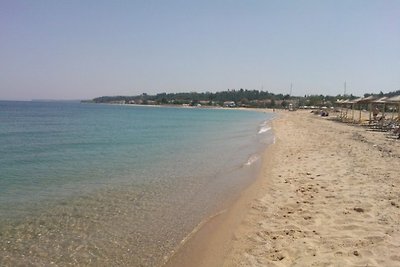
x=241 y=97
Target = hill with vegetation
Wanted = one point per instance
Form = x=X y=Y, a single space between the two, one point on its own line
x=237 y=98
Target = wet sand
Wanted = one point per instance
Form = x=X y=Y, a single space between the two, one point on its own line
x=328 y=195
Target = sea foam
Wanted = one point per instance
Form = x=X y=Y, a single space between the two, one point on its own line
x=264 y=129
x=251 y=160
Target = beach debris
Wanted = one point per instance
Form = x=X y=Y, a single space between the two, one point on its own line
x=277 y=256
x=395 y=204
x=359 y=209
x=355 y=252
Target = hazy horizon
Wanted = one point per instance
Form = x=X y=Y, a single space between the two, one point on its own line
x=66 y=50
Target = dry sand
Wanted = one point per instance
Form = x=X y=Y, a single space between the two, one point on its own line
x=329 y=196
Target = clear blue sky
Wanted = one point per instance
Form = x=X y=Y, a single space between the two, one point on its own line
x=83 y=49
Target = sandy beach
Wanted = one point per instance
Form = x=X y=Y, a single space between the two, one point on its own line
x=331 y=199
x=328 y=195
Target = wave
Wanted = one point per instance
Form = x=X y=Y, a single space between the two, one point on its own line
x=264 y=129
x=252 y=159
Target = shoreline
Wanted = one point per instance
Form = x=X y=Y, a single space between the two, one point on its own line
x=327 y=194
x=210 y=241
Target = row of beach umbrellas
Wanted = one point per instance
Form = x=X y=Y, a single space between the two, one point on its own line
x=371 y=101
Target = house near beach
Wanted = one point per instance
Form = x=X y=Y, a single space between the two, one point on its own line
x=229 y=104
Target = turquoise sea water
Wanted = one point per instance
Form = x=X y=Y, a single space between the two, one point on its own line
x=95 y=184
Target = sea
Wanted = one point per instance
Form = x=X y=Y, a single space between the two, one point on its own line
x=117 y=185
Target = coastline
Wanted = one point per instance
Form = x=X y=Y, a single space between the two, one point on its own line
x=327 y=194
x=211 y=240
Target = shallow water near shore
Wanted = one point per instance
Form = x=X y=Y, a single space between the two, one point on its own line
x=123 y=185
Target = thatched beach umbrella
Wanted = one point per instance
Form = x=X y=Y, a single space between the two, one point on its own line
x=367 y=101
x=346 y=104
x=381 y=101
x=353 y=106
x=395 y=100
x=345 y=108
x=339 y=102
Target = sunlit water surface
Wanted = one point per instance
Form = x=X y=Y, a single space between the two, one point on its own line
x=89 y=184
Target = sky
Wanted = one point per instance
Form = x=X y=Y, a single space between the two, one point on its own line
x=84 y=49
